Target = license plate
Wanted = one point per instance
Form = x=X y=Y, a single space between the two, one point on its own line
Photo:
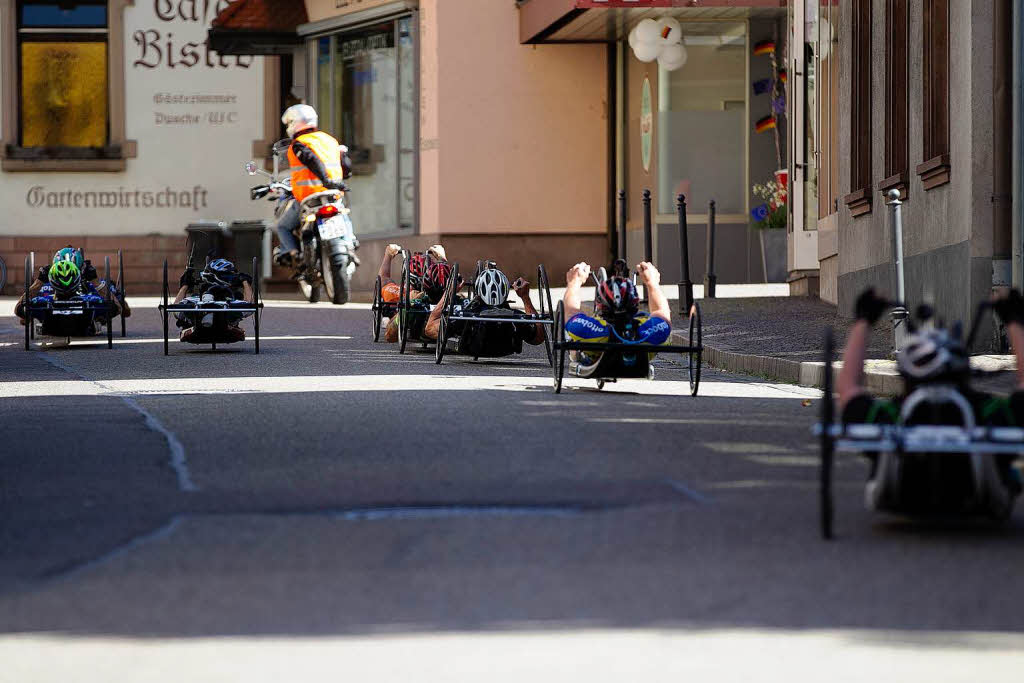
x=332 y=228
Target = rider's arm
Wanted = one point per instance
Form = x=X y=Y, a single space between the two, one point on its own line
x=385 y=263
x=433 y=325
x=522 y=289
x=868 y=309
x=247 y=292
x=311 y=161
x=182 y=293
x=651 y=279
x=574 y=281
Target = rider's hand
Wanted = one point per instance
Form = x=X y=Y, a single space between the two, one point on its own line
x=188 y=278
x=1010 y=307
x=577 y=275
x=648 y=274
x=869 y=306
x=522 y=288
x=336 y=185
x=392 y=249
x=89 y=272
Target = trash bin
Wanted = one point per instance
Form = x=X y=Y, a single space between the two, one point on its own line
x=247 y=237
x=205 y=240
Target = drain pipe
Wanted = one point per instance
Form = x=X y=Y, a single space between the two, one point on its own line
x=1017 y=189
x=899 y=313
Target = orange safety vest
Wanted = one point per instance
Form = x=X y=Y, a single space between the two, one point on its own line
x=304 y=181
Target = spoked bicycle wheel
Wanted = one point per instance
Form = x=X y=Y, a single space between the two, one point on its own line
x=451 y=289
x=120 y=291
x=378 y=312
x=558 y=350
x=825 y=502
x=696 y=354
x=544 y=294
x=403 y=307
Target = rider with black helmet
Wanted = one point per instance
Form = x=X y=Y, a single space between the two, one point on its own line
x=219 y=285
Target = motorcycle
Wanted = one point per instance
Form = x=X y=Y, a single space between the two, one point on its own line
x=327 y=238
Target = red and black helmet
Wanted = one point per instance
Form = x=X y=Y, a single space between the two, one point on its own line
x=418 y=266
x=437 y=278
x=617 y=296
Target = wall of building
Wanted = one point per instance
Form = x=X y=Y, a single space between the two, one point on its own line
x=947 y=230
x=189 y=155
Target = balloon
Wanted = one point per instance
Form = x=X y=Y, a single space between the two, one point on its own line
x=672 y=57
x=648 y=31
x=670 y=31
x=647 y=52
x=632 y=38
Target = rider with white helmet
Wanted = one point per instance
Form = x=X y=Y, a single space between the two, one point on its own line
x=935 y=368
x=491 y=290
x=318 y=162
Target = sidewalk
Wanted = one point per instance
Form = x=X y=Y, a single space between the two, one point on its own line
x=782 y=339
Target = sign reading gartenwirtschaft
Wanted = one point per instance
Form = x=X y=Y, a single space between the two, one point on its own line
x=192 y=114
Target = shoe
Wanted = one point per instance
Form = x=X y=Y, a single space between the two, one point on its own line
x=187 y=334
x=285 y=259
x=233 y=335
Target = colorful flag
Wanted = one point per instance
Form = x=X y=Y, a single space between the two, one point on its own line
x=762 y=86
x=783 y=76
x=765 y=47
x=779 y=104
x=765 y=123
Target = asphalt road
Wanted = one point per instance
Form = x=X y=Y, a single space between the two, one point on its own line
x=331 y=509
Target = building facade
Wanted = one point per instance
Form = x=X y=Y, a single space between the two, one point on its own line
x=916 y=96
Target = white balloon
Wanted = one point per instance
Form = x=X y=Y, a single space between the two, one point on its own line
x=672 y=57
x=632 y=38
x=648 y=31
x=670 y=31
x=647 y=52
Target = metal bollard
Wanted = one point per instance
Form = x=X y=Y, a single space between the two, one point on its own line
x=709 y=278
x=685 y=285
x=648 y=238
x=622 y=224
x=899 y=314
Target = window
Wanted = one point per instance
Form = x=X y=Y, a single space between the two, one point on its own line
x=896 y=39
x=859 y=199
x=366 y=96
x=62 y=59
x=65 y=102
x=827 y=74
x=935 y=169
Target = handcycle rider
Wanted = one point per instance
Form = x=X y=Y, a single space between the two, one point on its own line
x=616 y=308
x=318 y=162
x=219 y=286
x=489 y=340
x=89 y=283
x=930 y=355
x=419 y=293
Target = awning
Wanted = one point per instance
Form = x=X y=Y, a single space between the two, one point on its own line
x=601 y=21
x=258 y=27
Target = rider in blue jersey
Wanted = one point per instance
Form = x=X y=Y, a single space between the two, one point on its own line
x=617 y=315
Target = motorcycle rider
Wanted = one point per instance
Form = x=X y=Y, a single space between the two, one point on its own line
x=318 y=163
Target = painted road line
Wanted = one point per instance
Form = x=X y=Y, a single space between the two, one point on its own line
x=361 y=383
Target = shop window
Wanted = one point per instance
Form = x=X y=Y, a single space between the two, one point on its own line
x=59 y=92
x=366 y=96
x=934 y=171
x=859 y=199
x=827 y=74
x=896 y=39
x=702 y=121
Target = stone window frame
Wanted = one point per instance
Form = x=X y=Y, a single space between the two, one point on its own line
x=859 y=199
x=934 y=170
x=897 y=103
x=119 y=149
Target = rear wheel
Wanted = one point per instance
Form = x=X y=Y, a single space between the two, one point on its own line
x=378 y=312
x=336 y=277
x=696 y=354
x=558 y=353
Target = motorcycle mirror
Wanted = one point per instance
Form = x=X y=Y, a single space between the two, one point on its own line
x=251 y=167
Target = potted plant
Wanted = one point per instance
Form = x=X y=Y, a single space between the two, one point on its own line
x=770 y=221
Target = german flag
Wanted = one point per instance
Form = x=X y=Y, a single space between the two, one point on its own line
x=783 y=76
x=765 y=47
x=765 y=123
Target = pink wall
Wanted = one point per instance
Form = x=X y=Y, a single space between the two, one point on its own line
x=514 y=137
